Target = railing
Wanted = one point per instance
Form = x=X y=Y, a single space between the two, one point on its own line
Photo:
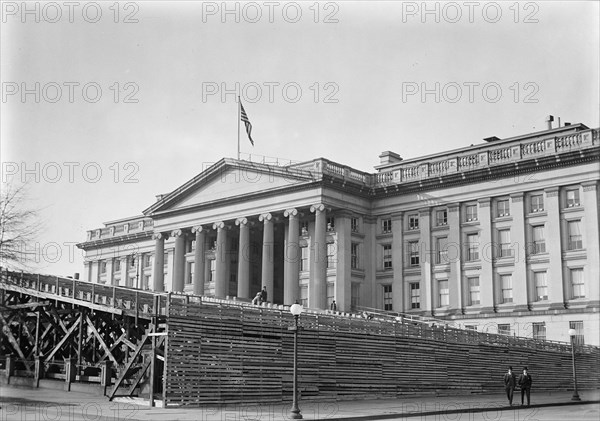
x=128 y=300
x=268 y=160
x=112 y=230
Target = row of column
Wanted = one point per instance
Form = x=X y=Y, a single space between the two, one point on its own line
x=317 y=287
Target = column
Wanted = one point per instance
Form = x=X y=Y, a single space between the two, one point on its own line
x=199 y=260
x=221 y=284
x=317 y=288
x=519 y=275
x=109 y=271
x=488 y=253
x=554 y=249
x=179 y=261
x=243 y=286
x=343 y=279
x=425 y=260
x=267 y=254
x=590 y=241
x=397 y=262
x=454 y=279
x=291 y=281
x=159 y=262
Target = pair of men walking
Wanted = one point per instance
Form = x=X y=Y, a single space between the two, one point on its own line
x=511 y=382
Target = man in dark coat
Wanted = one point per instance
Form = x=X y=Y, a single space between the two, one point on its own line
x=525 y=385
x=263 y=295
x=510 y=382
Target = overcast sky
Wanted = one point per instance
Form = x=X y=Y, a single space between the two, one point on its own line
x=105 y=105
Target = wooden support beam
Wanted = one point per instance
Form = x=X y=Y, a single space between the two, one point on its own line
x=64 y=339
x=102 y=343
x=138 y=378
x=6 y=330
x=4 y=308
x=128 y=366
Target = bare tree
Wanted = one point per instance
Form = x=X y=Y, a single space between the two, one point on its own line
x=18 y=227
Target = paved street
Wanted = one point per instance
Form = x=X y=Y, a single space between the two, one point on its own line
x=25 y=404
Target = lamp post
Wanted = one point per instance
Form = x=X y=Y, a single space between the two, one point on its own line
x=296 y=310
x=572 y=333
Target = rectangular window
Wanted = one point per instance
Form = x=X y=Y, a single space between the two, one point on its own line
x=578 y=326
x=471 y=213
x=116 y=265
x=504 y=329
x=387 y=256
x=147 y=260
x=386 y=226
x=573 y=198
x=415 y=295
x=354 y=224
x=190 y=273
x=102 y=267
x=577 y=283
x=506 y=286
x=537 y=203
x=539 y=242
x=304 y=296
x=304 y=259
x=387 y=298
x=503 y=208
x=330 y=293
x=146 y=282
x=441 y=217
x=331 y=223
x=129 y=281
x=474 y=292
x=213 y=266
x=539 y=331
x=304 y=228
x=541 y=286
x=504 y=241
x=331 y=255
x=413 y=250
x=444 y=293
x=354 y=296
x=472 y=247
x=413 y=222
x=575 y=242
x=166 y=259
x=354 y=256
x=441 y=248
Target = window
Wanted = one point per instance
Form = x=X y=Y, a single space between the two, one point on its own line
x=386 y=226
x=213 y=266
x=574 y=228
x=578 y=326
x=354 y=296
x=387 y=256
x=537 y=203
x=166 y=259
x=330 y=223
x=577 y=283
x=471 y=213
x=413 y=250
x=541 y=286
x=304 y=228
x=441 y=248
x=116 y=265
x=413 y=222
x=354 y=224
x=146 y=282
x=304 y=296
x=474 y=292
x=304 y=259
x=444 y=293
x=504 y=329
x=472 y=247
x=102 y=267
x=331 y=255
x=354 y=256
x=129 y=281
x=504 y=240
x=441 y=217
x=132 y=262
x=415 y=295
x=539 y=243
x=387 y=298
x=503 y=208
x=330 y=293
x=190 y=273
x=506 y=286
x=539 y=331
x=572 y=198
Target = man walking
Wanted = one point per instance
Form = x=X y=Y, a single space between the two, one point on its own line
x=510 y=381
x=525 y=385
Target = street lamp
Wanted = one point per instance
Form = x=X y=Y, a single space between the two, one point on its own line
x=572 y=333
x=296 y=310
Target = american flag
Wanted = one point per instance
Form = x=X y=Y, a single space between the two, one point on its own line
x=244 y=118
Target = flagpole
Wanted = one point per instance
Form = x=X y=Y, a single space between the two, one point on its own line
x=239 y=117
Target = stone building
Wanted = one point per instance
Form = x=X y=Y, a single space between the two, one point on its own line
x=500 y=236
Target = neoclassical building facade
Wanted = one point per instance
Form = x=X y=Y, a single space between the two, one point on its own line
x=501 y=236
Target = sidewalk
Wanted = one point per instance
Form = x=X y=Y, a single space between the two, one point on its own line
x=21 y=403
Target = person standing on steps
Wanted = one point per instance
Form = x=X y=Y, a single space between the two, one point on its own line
x=525 y=381
x=510 y=382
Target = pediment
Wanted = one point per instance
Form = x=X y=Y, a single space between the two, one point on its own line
x=227 y=181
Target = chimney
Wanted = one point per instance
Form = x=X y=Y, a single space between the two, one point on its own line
x=389 y=157
x=491 y=138
x=76 y=275
x=549 y=120
x=567 y=124
x=159 y=197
